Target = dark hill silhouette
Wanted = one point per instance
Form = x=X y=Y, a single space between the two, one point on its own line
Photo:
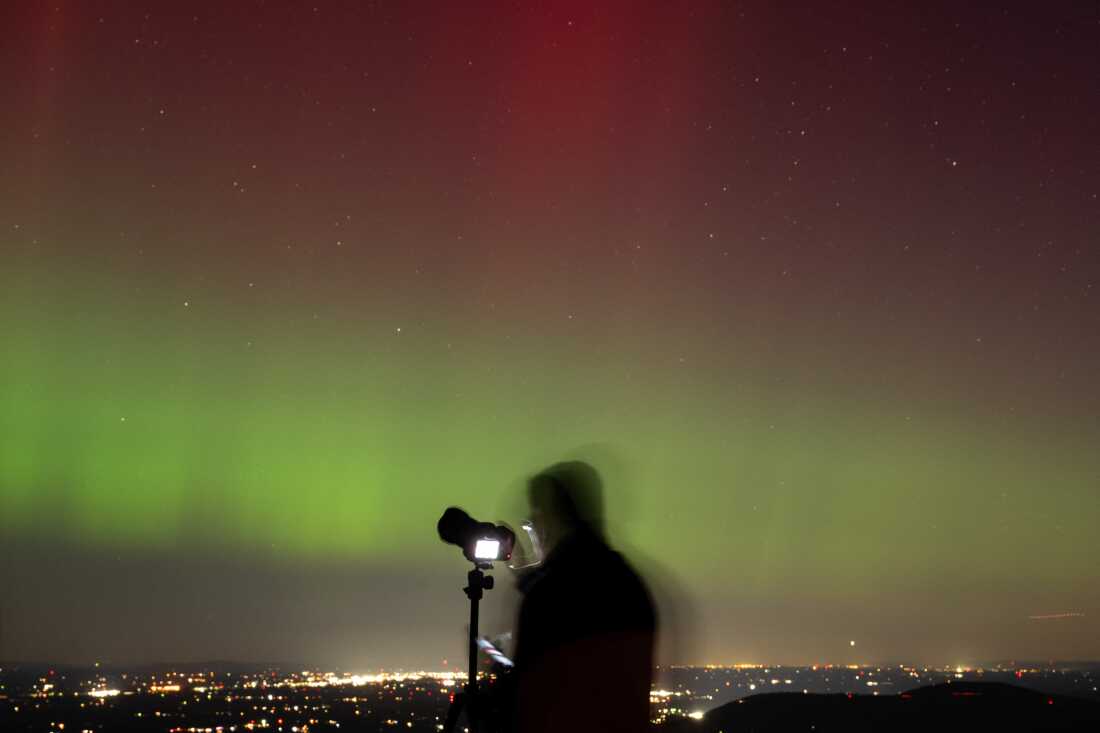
x=969 y=706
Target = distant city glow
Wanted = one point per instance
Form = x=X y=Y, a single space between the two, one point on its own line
x=303 y=700
x=164 y=688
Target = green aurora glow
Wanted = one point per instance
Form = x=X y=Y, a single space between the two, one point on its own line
x=816 y=295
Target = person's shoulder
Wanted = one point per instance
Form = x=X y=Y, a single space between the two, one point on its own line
x=616 y=562
x=634 y=590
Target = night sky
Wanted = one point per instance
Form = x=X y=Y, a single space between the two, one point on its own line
x=816 y=287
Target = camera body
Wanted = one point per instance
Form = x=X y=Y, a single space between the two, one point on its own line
x=481 y=542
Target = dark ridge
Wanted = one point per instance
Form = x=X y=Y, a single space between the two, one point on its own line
x=972 y=706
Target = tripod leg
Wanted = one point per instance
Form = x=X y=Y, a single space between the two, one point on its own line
x=453 y=712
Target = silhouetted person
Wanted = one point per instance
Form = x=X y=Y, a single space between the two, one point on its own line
x=587 y=625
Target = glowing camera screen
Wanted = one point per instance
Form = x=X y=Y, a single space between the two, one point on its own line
x=487 y=549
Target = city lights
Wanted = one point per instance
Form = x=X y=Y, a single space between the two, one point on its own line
x=308 y=701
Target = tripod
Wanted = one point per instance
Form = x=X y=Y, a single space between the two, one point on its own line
x=477 y=583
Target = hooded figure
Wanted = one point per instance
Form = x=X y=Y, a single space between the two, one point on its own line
x=587 y=625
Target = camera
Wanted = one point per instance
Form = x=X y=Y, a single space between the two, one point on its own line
x=481 y=542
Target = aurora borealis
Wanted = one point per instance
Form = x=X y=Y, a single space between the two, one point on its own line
x=814 y=287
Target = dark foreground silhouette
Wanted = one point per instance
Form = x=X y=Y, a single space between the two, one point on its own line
x=583 y=609
x=960 y=706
